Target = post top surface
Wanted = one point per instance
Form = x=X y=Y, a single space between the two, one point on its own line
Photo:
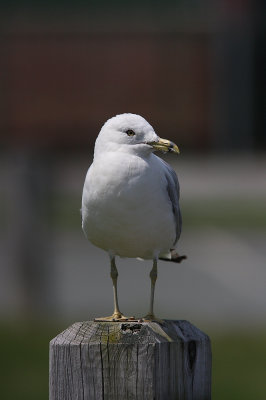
x=95 y=332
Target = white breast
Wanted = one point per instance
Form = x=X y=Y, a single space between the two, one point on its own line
x=128 y=211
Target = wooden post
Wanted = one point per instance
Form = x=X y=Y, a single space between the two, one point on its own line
x=130 y=360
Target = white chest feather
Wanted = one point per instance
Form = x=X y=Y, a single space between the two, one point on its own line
x=126 y=208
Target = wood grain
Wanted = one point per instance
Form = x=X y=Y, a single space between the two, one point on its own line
x=125 y=361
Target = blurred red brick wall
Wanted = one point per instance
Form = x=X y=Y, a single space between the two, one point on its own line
x=61 y=87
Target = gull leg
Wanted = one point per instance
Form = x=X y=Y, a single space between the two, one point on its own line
x=117 y=315
x=153 y=275
x=114 y=275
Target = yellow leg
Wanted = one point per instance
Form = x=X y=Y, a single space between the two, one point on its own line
x=117 y=315
x=153 y=275
x=114 y=275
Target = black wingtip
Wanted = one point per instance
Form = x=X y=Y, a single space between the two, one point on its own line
x=179 y=259
x=175 y=257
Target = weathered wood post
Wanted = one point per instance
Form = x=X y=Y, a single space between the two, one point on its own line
x=130 y=360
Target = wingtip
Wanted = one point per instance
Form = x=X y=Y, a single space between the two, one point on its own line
x=173 y=257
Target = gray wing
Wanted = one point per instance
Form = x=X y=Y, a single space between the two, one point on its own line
x=173 y=193
x=84 y=194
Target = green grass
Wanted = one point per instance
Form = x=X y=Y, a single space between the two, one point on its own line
x=225 y=213
x=239 y=364
x=24 y=362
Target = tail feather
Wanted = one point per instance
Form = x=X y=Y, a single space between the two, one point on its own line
x=172 y=256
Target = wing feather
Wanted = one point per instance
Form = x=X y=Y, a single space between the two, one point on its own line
x=173 y=190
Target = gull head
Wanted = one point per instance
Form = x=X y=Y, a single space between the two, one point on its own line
x=131 y=133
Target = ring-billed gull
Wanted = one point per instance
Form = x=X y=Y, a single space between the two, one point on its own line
x=130 y=201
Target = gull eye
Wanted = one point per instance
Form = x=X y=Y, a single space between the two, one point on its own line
x=129 y=132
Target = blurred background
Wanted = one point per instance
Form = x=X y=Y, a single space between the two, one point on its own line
x=196 y=72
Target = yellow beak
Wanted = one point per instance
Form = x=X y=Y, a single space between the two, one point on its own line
x=165 y=146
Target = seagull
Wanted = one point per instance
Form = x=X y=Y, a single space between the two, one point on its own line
x=130 y=201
